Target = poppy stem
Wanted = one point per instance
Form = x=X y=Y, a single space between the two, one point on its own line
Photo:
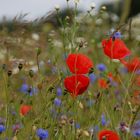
x=123 y=61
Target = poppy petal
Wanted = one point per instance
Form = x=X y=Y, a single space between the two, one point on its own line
x=79 y=63
x=102 y=83
x=24 y=109
x=132 y=65
x=115 y=49
x=76 y=84
x=108 y=134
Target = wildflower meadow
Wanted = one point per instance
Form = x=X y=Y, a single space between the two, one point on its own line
x=75 y=79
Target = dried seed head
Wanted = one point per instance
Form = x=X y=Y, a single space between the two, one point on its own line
x=20 y=66
x=9 y=73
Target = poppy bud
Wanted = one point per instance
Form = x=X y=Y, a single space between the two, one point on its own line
x=38 y=51
x=4 y=66
x=31 y=73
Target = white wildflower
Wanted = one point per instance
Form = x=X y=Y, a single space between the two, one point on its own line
x=93 y=5
x=35 y=36
x=57 y=7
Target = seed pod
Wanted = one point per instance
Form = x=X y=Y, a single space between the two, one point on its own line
x=9 y=73
x=20 y=66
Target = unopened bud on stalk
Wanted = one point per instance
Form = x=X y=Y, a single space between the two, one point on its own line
x=38 y=51
x=31 y=73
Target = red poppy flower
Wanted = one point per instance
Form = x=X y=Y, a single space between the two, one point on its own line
x=110 y=75
x=24 y=109
x=76 y=84
x=108 y=135
x=132 y=65
x=79 y=63
x=115 y=49
x=102 y=83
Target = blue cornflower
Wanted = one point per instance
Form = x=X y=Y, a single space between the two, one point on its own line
x=117 y=35
x=77 y=125
x=103 y=120
x=59 y=91
x=16 y=127
x=54 y=70
x=2 y=128
x=136 y=133
x=101 y=67
x=136 y=129
x=113 y=83
x=57 y=102
x=24 y=88
x=92 y=77
x=42 y=134
x=28 y=89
